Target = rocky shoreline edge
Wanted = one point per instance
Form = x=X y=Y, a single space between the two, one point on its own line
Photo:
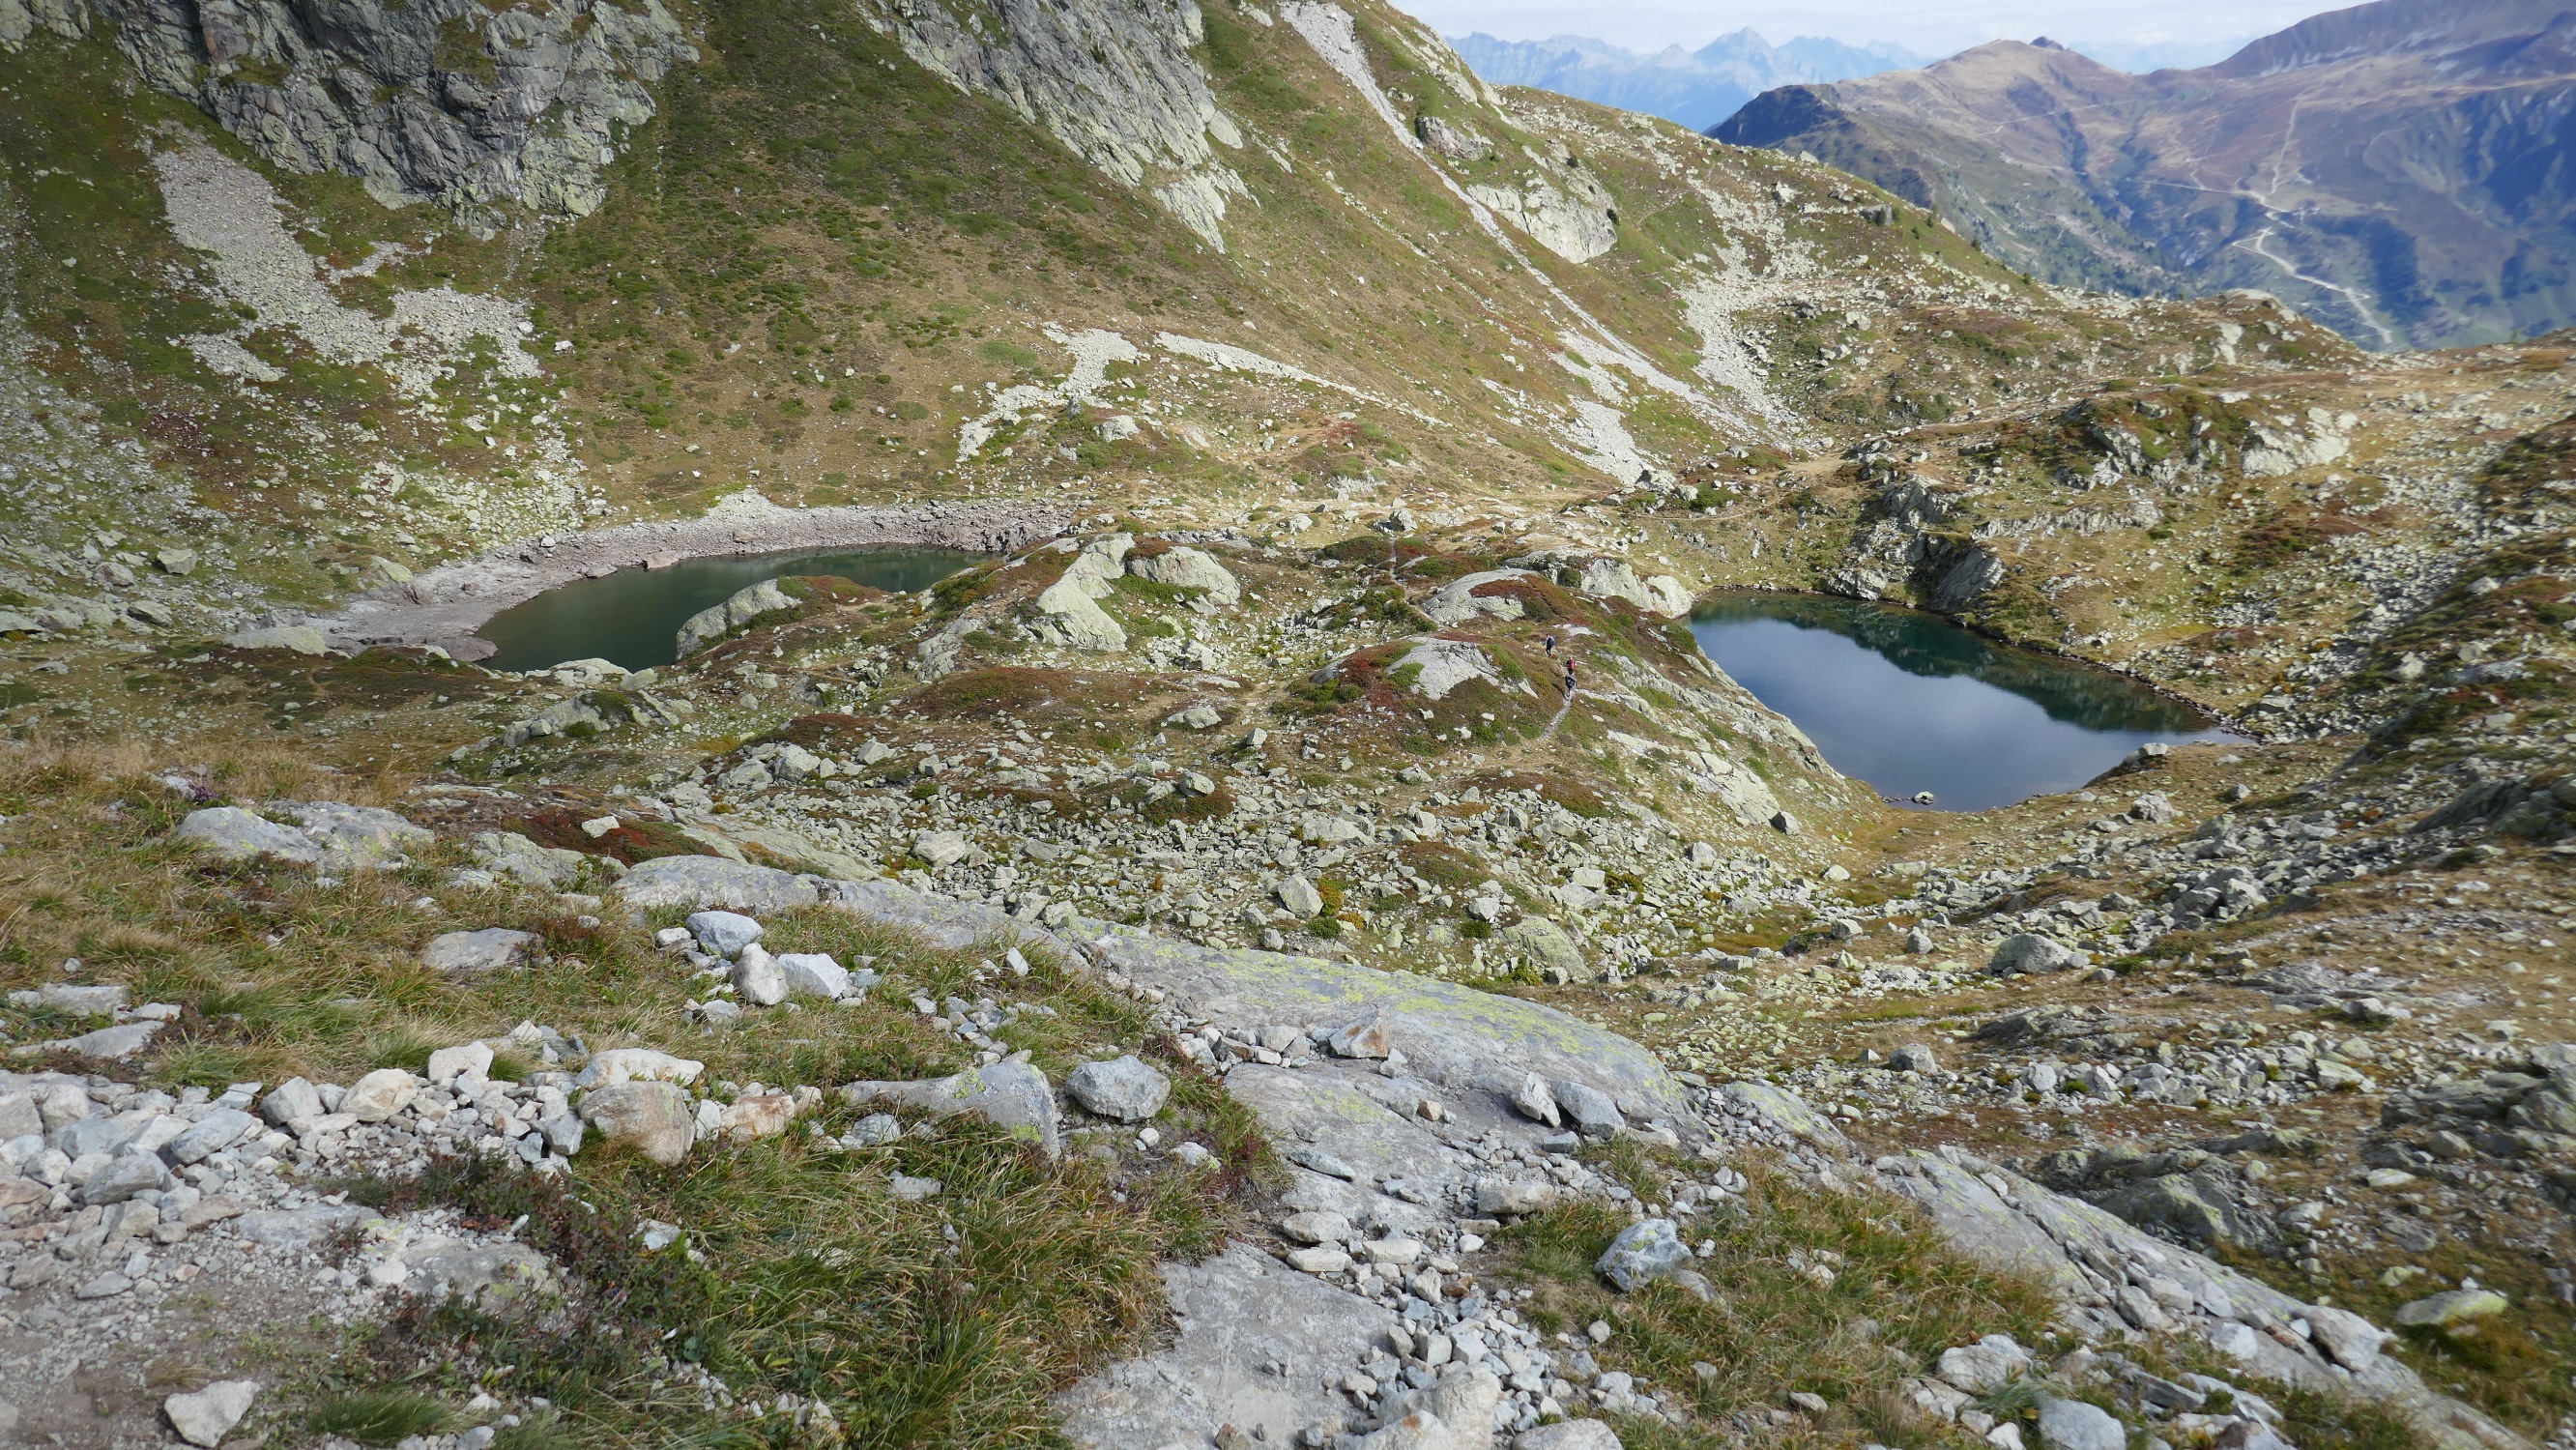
x=446 y=605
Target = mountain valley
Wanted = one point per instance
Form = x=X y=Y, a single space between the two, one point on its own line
x=1295 y=942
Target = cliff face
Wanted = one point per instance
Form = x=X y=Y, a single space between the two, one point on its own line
x=1113 y=81
x=2395 y=169
x=471 y=106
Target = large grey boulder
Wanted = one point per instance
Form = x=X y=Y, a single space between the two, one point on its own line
x=757 y=979
x=713 y=881
x=124 y=1176
x=507 y=853
x=2069 y=1245
x=1260 y=1346
x=1546 y=944
x=2076 y=1425
x=208 y=1136
x=653 y=1118
x=328 y=834
x=1124 y=1088
x=723 y=932
x=1011 y=1095
x=237 y=834
x=1449 y=1034
x=1457 y=601
x=815 y=974
x=1617 y=579
x=1645 y=1252
x=1067 y=616
x=2198 y=1208
x=2026 y=953
x=937 y=919
x=1188 y=568
x=380 y=1094
x=1983 y=1367
x=1587 y=1108
x=292 y=1099
x=486 y=1275
x=716 y=621
x=355 y=838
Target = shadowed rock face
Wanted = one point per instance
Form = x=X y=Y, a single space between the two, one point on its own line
x=455 y=102
x=2389 y=169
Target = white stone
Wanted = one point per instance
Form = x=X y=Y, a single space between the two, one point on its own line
x=446 y=1065
x=206 y=1416
x=757 y=978
x=380 y=1094
x=814 y=974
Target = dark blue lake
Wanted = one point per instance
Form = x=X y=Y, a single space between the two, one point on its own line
x=1908 y=701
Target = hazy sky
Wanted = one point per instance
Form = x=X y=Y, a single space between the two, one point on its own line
x=1932 y=27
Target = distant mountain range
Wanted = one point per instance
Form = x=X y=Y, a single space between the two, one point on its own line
x=1698 y=88
x=2399 y=170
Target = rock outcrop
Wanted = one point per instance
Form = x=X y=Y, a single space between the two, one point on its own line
x=470 y=106
x=1113 y=80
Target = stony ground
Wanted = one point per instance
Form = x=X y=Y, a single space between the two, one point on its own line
x=1299 y=947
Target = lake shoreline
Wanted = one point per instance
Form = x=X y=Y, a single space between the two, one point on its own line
x=446 y=605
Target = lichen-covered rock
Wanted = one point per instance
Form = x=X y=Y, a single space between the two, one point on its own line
x=507 y=853
x=1646 y=1251
x=1448 y=1033
x=237 y=834
x=1458 y=601
x=575 y=717
x=380 y=1094
x=1277 y=1343
x=1616 y=579
x=1187 y=568
x=723 y=932
x=713 y=881
x=1068 y=617
x=1547 y=944
x=1123 y=1088
x=1437 y=666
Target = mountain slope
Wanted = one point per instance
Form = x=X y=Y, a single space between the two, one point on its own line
x=1266 y=261
x=2395 y=169
x=1347 y=439
x=1696 y=88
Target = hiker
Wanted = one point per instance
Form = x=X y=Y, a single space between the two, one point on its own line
x=1569 y=677
x=1551 y=646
